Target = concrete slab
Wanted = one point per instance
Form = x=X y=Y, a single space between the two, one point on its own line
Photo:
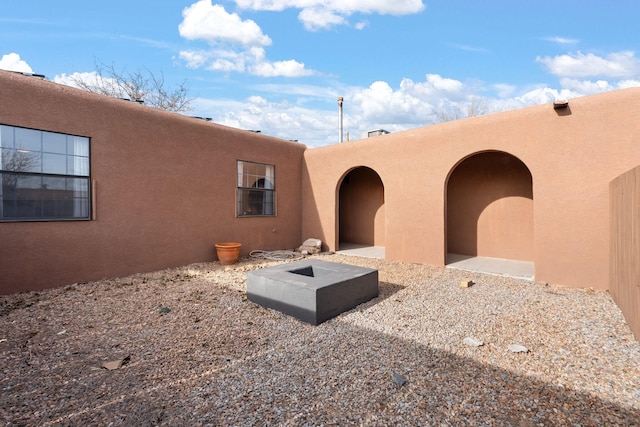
x=496 y=266
x=366 y=251
x=312 y=290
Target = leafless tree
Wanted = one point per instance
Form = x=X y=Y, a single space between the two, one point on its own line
x=138 y=86
x=477 y=107
x=16 y=161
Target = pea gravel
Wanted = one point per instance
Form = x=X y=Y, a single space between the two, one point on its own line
x=200 y=354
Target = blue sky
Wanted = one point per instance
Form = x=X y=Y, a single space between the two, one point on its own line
x=279 y=65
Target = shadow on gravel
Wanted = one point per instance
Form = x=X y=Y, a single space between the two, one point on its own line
x=343 y=387
x=385 y=290
x=289 y=373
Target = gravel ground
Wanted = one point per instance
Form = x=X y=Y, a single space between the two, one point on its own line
x=198 y=353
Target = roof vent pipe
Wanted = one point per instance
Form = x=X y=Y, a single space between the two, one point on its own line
x=340 y=138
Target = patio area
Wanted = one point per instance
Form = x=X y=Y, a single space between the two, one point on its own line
x=498 y=266
x=486 y=265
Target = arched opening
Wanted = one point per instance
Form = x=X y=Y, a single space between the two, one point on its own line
x=489 y=212
x=361 y=217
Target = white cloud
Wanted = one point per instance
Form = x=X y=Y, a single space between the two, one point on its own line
x=317 y=14
x=251 y=60
x=227 y=65
x=382 y=106
x=317 y=18
x=194 y=59
x=468 y=48
x=219 y=59
x=625 y=84
x=236 y=45
x=409 y=104
x=504 y=90
x=589 y=87
x=290 y=68
x=212 y=23
x=280 y=119
x=580 y=65
x=310 y=114
x=443 y=84
x=230 y=60
x=586 y=87
x=13 y=62
x=389 y=7
x=561 y=40
x=257 y=100
x=90 y=78
x=535 y=96
x=93 y=79
x=361 y=25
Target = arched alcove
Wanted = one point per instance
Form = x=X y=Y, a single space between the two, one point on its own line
x=489 y=211
x=361 y=217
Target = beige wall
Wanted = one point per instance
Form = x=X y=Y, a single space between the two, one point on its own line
x=625 y=246
x=572 y=155
x=165 y=189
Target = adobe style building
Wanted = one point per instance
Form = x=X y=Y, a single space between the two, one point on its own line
x=96 y=187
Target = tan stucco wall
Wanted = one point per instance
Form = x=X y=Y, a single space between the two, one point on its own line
x=572 y=156
x=165 y=189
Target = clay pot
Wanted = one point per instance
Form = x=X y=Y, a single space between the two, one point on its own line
x=228 y=253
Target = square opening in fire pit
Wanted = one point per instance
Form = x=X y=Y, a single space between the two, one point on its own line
x=305 y=271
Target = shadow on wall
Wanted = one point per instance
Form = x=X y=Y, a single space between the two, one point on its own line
x=361 y=215
x=490 y=207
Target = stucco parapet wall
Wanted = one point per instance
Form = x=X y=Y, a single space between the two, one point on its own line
x=16 y=81
x=571 y=154
x=607 y=104
x=163 y=189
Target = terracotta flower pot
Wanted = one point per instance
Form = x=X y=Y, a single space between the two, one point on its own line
x=228 y=253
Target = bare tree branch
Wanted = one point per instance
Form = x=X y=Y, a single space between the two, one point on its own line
x=136 y=86
x=476 y=107
x=16 y=161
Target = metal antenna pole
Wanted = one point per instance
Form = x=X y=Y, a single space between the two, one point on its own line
x=340 y=138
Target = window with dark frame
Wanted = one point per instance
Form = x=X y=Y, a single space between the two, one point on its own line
x=43 y=175
x=256 y=189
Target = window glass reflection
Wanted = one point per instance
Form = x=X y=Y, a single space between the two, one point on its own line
x=54 y=163
x=6 y=137
x=43 y=175
x=54 y=142
x=54 y=183
x=79 y=187
x=28 y=139
x=78 y=145
x=78 y=165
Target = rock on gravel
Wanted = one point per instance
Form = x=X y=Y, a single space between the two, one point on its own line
x=517 y=348
x=472 y=342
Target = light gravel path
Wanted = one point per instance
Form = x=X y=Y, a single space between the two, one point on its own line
x=201 y=354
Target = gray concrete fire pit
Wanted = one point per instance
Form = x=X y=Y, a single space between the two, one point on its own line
x=312 y=290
